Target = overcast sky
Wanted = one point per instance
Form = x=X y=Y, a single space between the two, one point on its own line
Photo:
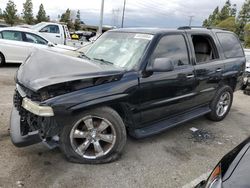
x=148 y=13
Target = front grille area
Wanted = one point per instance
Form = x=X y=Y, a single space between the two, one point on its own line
x=30 y=122
x=17 y=100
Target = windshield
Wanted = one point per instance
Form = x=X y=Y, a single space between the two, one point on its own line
x=37 y=25
x=120 y=49
x=248 y=58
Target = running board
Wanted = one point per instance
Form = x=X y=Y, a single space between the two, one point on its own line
x=169 y=123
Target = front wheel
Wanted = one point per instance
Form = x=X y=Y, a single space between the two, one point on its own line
x=98 y=136
x=2 y=60
x=221 y=104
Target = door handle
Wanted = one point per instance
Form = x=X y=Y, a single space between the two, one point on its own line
x=219 y=70
x=190 y=76
x=58 y=36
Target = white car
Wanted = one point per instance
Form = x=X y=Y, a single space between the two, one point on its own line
x=247 y=71
x=247 y=53
x=17 y=43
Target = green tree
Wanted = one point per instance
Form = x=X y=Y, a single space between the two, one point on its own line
x=233 y=10
x=229 y=24
x=212 y=19
x=247 y=36
x=225 y=11
x=65 y=17
x=41 y=15
x=1 y=13
x=243 y=19
x=78 y=21
x=28 y=12
x=10 y=13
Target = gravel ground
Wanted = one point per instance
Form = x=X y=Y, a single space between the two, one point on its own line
x=171 y=159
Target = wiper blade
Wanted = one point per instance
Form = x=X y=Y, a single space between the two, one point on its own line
x=103 y=60
x=82 y=54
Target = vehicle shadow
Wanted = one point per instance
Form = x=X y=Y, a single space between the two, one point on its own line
x=9 y=65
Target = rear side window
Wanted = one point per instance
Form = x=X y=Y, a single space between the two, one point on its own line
x=230 y=44
x=173 y=47
x=12 y=35
x=32 y=38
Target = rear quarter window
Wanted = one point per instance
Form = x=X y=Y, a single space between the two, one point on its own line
x=230 y=45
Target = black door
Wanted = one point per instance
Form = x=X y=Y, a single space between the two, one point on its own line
x=209 y=67
x=167 y=93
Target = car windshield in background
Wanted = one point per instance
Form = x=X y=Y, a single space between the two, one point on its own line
x=121 y=49
x=248 y=58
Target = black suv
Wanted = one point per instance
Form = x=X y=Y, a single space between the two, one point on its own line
x=138 y=81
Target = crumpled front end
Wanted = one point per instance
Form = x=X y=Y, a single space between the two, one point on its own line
x=31 y=123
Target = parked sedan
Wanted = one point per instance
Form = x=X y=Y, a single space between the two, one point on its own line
x=17 y=43
x=232 y=171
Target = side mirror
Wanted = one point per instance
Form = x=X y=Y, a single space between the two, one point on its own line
x=161 y=65
x=50 y=44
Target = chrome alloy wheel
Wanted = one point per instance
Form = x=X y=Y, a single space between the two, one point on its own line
x=223 y=104
x=92 y=137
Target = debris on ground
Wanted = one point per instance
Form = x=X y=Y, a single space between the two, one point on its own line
x=19 y=183
x=201 y=135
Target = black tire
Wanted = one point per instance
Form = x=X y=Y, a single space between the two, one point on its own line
x=213 y=115
x=2 y=60
x=120 y=139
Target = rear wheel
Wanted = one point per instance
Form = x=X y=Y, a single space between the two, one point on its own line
x=2 y=59
x=98 y=136
x=221 y=104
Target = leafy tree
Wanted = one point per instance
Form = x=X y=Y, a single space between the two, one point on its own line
x=41 y=15
x=225 y=11
x=78 y=21
x=233 y=10
x=243 y=18
x=247 y=36
x=65 y=17
x=28 y=12
x=212 y=19
x=228 y=24
x=1 y=13
x=10 y=13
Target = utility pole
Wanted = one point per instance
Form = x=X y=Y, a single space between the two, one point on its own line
x=123 y=13
x=190 y=20
x=101 y=19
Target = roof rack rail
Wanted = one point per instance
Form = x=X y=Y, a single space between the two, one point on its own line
x=190 y=27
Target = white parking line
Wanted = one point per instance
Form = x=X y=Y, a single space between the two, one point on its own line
x=197 y=180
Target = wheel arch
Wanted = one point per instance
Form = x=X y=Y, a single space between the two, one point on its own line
x=232 y=82
x=116 y=102
x=4 y=59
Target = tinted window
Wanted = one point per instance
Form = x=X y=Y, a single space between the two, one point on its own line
x=50 y=29
x=173 y=47
x=12 y=35
x=32 y=38
x=230 y=44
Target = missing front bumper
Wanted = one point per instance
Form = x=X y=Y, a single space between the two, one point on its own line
x=15 y=132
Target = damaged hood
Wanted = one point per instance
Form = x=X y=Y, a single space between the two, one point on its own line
x=45 y=68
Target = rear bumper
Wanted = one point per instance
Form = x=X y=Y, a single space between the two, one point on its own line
x=15 y=132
